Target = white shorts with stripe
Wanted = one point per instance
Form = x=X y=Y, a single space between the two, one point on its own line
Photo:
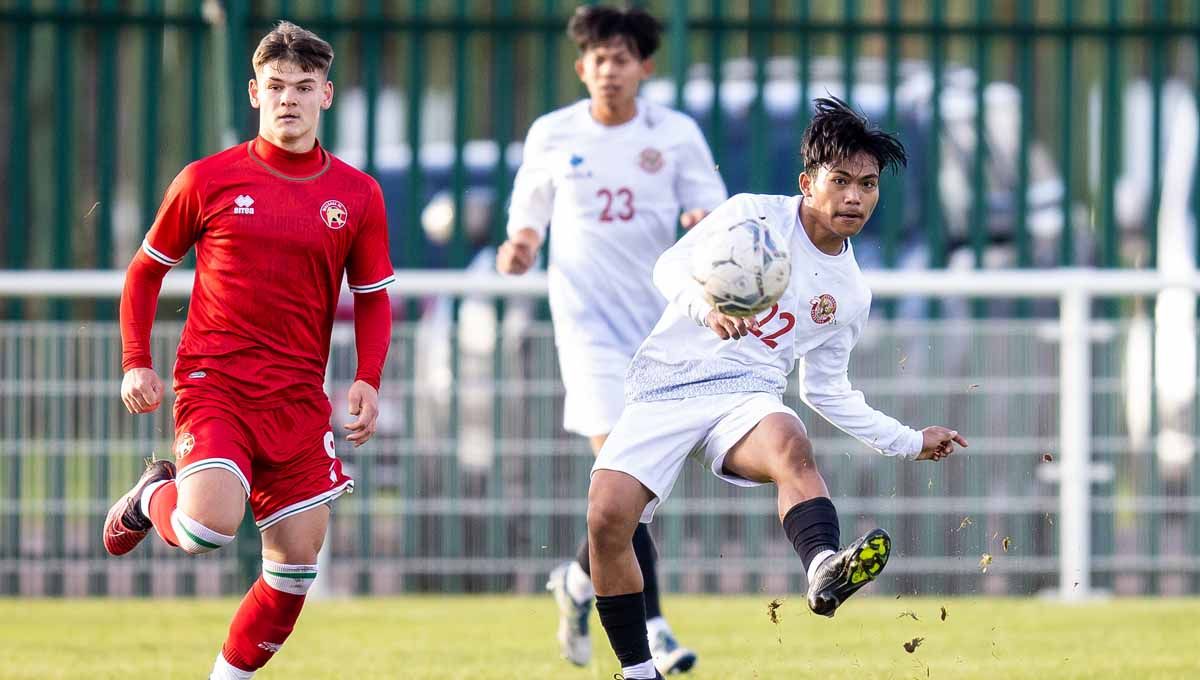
x=653 y=439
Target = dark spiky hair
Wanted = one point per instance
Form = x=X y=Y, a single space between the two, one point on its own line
x=838 y=132
x=593 y=25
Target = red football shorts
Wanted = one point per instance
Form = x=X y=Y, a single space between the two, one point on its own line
x=283 y=456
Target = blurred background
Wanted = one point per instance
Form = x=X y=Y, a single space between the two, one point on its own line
x=1043 y=136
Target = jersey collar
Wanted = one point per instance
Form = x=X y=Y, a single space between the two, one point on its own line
x=289 y=164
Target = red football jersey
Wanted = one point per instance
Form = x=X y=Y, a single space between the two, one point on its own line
x=274 y=231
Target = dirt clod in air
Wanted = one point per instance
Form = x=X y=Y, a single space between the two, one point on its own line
x=1006 y=543
x=912 y=645
x=943 y=613
x=985 y=561
x=773 y=610
x=909 y=613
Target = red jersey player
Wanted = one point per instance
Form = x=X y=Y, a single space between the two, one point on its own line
x=275 y=222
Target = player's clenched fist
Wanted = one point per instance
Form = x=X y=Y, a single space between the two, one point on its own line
x=938 y=442
x=514 y=257
x=141 y=390
x=730 y=326
x=517 y=254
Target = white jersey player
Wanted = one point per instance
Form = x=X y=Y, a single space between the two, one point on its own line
x=613 y=195
x=709 y=387
x=611 y=176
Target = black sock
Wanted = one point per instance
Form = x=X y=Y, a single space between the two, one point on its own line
x=647 y=557
x=624 y=619
x=812 y=527
x=581 y=556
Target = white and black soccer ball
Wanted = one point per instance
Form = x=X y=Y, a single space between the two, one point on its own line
x=744 y=267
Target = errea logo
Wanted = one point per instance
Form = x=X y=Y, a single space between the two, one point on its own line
x=243 y=205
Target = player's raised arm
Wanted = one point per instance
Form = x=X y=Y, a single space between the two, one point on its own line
x=698 y=187
x=531 y=206
x=369 y=272
x=826 y=389
x=175 y=229
x=673 y=270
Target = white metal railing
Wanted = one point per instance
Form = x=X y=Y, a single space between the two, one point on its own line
x=1074 y=289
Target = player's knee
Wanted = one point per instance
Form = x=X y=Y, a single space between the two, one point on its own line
x=609 y=521
x=295 y=579
x=796 y=456
x=196 y=538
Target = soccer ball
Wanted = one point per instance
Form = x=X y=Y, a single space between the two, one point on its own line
x=744 y=268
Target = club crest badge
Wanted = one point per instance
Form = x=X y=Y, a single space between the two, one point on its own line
x=184 y=445
x=650 y=160
x=334 y=214
x=823 y=308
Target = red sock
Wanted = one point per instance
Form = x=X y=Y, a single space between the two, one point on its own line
x=260 y=626
x=162 y=504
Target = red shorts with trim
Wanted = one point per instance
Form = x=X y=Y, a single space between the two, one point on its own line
x=284 y=456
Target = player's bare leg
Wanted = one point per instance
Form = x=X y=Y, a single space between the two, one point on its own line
x=571 y=585
x=267 y=614
x=778 y=450
x=199 y=513
x=615 y=504
x=215 y=498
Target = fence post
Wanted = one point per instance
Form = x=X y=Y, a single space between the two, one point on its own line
x=1075 y=423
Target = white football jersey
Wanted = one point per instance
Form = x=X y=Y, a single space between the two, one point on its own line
x=612 y=195
x=819 y=319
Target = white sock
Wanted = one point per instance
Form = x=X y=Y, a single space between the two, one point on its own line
x=817 y=561
x=655 y=626
x=642 y=671
x=147 y=493
x=579 y=584
x=223 y=670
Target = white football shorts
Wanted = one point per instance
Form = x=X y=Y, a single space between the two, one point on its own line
x=652 y=439
x=594 y=381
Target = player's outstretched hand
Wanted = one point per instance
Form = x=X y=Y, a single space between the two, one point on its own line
x=730 y=326
x=141 y=390
x=364 y=403
x=939 y=442
x=691 y=218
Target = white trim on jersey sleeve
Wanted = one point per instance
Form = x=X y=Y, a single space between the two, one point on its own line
x=158 y=255
x=825 y=388
x=373 y=287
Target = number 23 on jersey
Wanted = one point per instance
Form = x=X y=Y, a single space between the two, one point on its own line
x=618 y=204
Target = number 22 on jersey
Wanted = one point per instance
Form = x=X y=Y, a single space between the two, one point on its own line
x=618 y=205
x=789 y=322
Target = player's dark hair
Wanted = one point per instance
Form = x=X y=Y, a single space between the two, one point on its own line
x=593 y=25
x=838 y=132
x=289 y=42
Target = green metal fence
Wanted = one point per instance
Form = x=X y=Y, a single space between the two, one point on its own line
x=108 y=99
x=471 y=485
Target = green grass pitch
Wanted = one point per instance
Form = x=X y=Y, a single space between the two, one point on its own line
x=486 y=638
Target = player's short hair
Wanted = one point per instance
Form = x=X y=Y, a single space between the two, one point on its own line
x=593 y=25
x=288 y=42
x=838 y=132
